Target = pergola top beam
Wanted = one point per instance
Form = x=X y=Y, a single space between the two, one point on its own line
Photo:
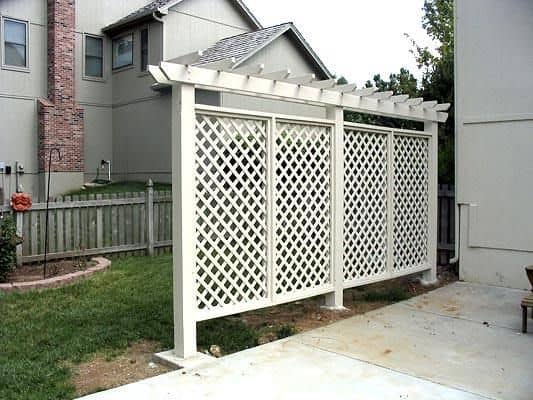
x=325 y=84
x=301 y=79
x=276 y=75
x=366 y=92
x=350 y=87
x=263 y=86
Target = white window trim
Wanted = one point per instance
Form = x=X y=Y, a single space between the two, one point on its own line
x=2 y=36
x=125 y=67
x=141 y=72
x=104 y=59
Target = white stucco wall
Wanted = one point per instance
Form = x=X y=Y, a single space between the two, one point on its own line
x=494 y=55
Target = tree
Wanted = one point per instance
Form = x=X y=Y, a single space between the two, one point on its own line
x=438 y=78
x=437 y=81
x=401 y=83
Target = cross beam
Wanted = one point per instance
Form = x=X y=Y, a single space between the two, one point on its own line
x=221 y=80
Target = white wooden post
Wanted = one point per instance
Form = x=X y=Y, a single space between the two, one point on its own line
x=19 y=221
x=390 y=204
x=430 y=276
x=150 y=217
x=334 y=300
x=183 y=196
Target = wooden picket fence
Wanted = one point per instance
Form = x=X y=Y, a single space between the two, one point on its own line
x=86 y=225
x=446 y=234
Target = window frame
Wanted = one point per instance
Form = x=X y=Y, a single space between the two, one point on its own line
x=86 y=77
x=128 y=66
x=26 y=68
x=141 y=30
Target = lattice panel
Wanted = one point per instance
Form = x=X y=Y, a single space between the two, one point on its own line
x=231 y=214
x=411 y=202
x=365 y=204
x=302 y=207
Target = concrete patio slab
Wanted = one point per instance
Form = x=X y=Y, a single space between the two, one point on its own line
x=425 y=348
x=285 y=370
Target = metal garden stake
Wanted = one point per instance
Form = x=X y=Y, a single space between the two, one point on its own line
x=47 y=204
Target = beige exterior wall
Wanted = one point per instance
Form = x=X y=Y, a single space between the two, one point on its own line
x=125 y=120
x=495 y=139
x=18 y=94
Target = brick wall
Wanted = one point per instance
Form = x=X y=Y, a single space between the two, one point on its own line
x=61 y=119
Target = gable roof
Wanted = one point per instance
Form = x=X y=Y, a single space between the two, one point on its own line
x=161 y=7
x=246 y=45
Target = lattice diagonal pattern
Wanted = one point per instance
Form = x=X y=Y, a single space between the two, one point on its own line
x=365 y=204
x=302 y=207
x=230 y=211
x=411 y=207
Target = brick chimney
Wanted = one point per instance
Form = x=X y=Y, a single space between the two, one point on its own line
x=60 y=117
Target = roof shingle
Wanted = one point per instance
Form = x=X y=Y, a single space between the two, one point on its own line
x=242 y=45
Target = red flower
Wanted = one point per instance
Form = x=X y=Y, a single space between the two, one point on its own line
x=20 y=202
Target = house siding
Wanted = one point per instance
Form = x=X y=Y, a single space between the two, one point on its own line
x=124 y=120
x=494 y=121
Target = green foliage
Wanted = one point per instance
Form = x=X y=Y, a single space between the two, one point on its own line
x=285 y=331
x=437 y=81
x=401 y=83
x=8 y=246
x=230 y=335
x=387 y=295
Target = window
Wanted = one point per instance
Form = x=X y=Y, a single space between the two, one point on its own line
x=123 y=51
x=15 y=43
x=94 y=57
x=144 y=50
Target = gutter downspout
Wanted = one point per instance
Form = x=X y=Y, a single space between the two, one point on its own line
x=458 y=206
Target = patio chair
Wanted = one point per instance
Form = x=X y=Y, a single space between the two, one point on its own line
x=527 y=302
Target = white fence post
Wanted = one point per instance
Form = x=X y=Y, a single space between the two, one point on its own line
x=150 y=217
x=390 y=204
x=19 y=221
x=334 y=300
x=184 y=219
x=430 y=276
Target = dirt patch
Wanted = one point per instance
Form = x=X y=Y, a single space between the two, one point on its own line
x=35 y=272
x=308 y=314
x=112 y=370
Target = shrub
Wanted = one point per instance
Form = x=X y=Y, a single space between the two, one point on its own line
x=388 y=295
x=8 y=246
x=285 y=331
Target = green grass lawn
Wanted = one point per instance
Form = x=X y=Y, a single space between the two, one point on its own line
x=120 y=187
x=41 y=332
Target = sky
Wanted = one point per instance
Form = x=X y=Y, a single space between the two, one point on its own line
x=354 y=38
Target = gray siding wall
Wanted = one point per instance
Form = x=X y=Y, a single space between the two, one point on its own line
x=18 y=94
x=495 y=139
x=125 y=120
x=141 y=117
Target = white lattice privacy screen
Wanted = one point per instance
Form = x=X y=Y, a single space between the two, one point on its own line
x=366 y=190
x=231 y=193
x=411 y=207
x=302 y=207
x=265 y=190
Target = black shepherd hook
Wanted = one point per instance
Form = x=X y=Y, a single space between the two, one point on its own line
x=52 y=150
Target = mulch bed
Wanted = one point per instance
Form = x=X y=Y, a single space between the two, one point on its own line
x=35 y=272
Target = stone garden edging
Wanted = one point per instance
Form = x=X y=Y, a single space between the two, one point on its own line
x=58 y=281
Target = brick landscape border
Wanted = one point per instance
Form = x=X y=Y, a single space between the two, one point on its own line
x=58 y=281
